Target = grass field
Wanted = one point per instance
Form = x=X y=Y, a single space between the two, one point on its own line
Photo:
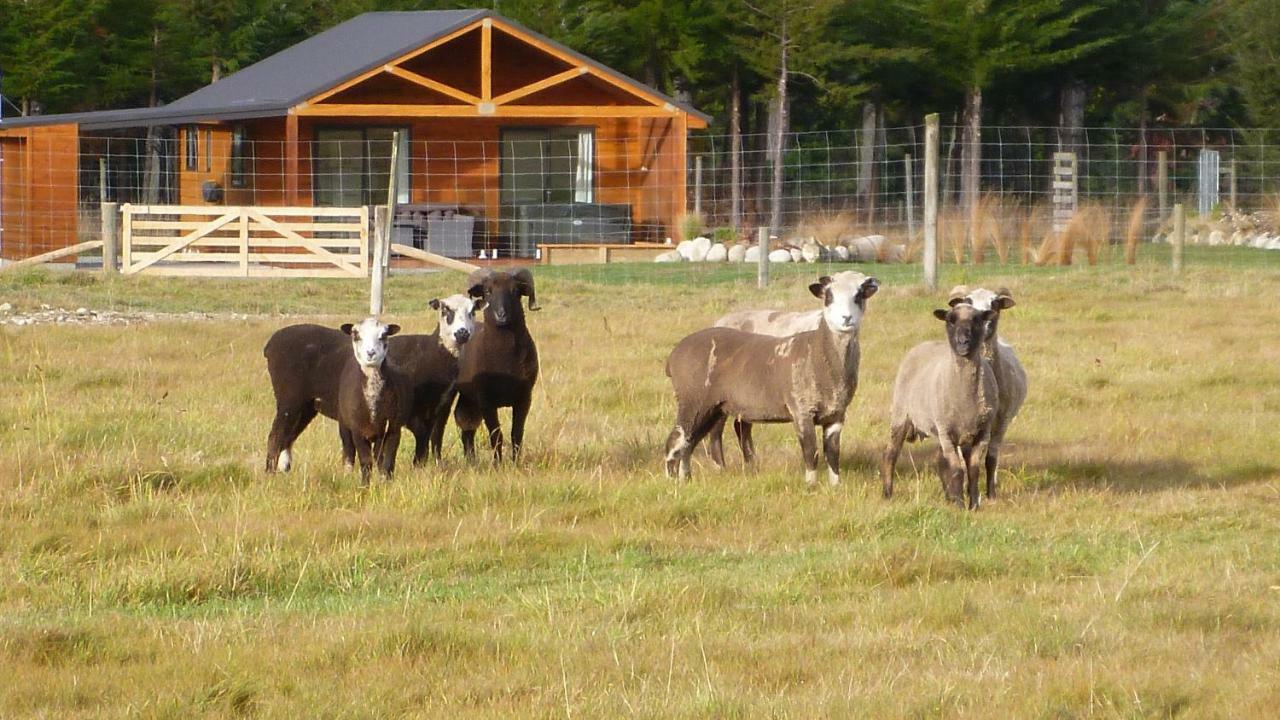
x=149 y=568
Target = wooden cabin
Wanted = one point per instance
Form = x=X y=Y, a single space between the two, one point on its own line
x=496 y=123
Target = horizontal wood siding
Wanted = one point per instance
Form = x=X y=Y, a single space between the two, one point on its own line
x=41 y=184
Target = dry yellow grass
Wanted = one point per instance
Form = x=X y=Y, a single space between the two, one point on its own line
x=149 y=568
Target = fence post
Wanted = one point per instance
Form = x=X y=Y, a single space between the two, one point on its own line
x=697 y=185
x=1162 y=182
x=911 y=199
x=110 y=236
x=762 y=242
x=1179 y=236
x=1231 y=188
x=382 y=233
x=931 y=201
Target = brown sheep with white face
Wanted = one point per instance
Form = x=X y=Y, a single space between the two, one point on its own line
x=805 y=379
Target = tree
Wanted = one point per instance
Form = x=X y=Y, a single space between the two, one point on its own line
x=972 y=42
x=790 y=37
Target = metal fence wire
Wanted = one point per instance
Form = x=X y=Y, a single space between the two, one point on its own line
x=836 y=183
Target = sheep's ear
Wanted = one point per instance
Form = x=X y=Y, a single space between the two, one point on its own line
x=346 y=328
x=1004 y=301
x=476 y=290
x=869 y=287
x=825 y=279
x=819 y=290
x=434 y=304
x=941 y=314
x=957 y=301
x=392 y=329
x=478 y=304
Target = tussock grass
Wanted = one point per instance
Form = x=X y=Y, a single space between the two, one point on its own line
x=149 y=567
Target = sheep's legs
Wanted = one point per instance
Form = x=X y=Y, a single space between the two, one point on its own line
x=897 y=436
x=993 y=464
x=975 y=461
x=494 y=427
x=519 y=413
x=439 y=421
x=680 y=443
x=715 y=442
x=742 y=429
x=348 y=447
x=387 y=448
x=285 y=429
x=831 y=451
x=953 y=460
x=467 y=415
x=422 y=429
x=364 y=449
x=808 y=448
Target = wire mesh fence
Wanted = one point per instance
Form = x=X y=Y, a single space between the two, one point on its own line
x=535 y=188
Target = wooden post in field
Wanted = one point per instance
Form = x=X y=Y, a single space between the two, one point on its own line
x=1231 y=187
x=762 y=272
x=110 y=236
x=931 y=201
x=1162 y=182
x=1178 y=238
x=911 y=199
x=382 y=232
x=697 y=185
x=102 y=180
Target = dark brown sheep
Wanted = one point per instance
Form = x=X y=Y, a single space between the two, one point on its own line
x=374 y=399
x=500 y=366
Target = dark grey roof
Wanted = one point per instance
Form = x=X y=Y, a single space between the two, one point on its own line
x=269 y=87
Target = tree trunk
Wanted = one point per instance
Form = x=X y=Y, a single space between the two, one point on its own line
x=1071 y=122
x=867 y=162
x=948 y=168
x=215 y=70
x=1143 y=164
x=971 y=160
x=778 y=133
x=735 y=152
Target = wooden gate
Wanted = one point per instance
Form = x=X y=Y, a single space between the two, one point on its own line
x=221 y=241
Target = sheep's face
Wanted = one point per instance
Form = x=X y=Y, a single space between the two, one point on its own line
x=844 y=299
x=966 y=327
x=369 y=340
x=457 y=319
x=501 y=293
x=984 y=299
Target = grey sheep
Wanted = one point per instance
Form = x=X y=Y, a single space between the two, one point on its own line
x=946 y=390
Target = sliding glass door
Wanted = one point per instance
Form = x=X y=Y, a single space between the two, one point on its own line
x=352 y=166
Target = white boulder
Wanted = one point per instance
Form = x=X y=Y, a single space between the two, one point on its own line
x=780 y=256
x=717 y=253
x=751 y=254
x=811 y=252
x=737 y=253
x=841 y=253
x=667 y=257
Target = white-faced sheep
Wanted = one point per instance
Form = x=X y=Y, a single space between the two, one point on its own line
x=374 y=400
x=775 y=323
x=1011 y=378
x=946 y=390
x=305 y=361
x=805 y=379
x=500 y=366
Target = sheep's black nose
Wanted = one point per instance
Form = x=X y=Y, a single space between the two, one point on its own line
x=462 y=335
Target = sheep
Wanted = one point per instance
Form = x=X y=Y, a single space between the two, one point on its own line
x=500 y=366
x=806 y=379
x=305 y=360
x=1011 y=378
x=948 y=390
x=430 y=362
x=776 y=323
x=374 y=399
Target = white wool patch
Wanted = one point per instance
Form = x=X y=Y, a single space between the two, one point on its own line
x=833 y=477
x=369 y=341
x=285 y=461
x=834 y=429
x=810 y=477
x=680 y=445
x=982 y=298
x=711 y=363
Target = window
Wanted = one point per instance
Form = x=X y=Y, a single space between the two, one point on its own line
x=239 y=157
x=208 y=150
x=352 y=166
x=193 y=147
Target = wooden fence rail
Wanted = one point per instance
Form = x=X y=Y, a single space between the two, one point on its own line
x=241 y=241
